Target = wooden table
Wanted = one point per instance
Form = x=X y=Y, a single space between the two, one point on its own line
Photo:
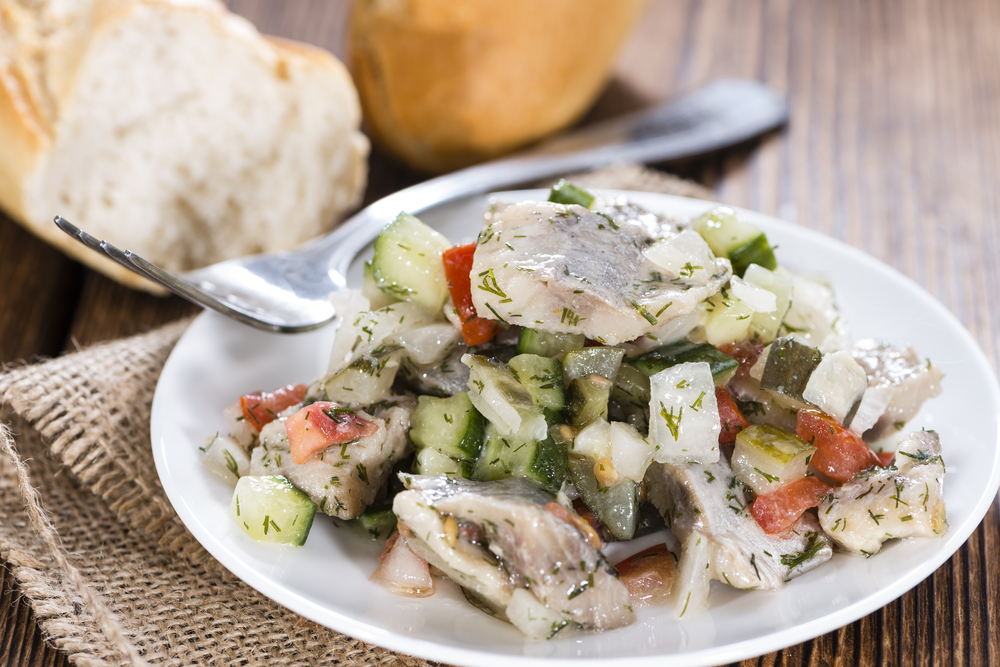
x=893 y=147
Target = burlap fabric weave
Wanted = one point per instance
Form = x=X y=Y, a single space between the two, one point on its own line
x=113 y=576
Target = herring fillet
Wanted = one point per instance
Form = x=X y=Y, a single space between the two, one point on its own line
x=556 y=562
x=706 y=508
x=569 y=269
x=344 y=479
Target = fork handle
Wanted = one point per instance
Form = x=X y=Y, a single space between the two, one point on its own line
x=723 y=113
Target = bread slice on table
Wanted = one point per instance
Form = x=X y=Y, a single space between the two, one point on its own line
x=171 y=128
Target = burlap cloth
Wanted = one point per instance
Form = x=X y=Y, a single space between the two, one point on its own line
x=113 y=576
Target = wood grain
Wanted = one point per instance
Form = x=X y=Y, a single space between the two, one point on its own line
x=893 y=147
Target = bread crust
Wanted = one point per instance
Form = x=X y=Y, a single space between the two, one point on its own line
x=37 y=99
x=444 y=84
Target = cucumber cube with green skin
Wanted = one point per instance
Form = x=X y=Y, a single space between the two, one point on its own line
x=684 y=423
x=728 y=319
x=521 y=455
x=565 y=192
x=377 y=522
x=789 y=366
x=547 y=343
x=766 y=458
x=407 y=265
x=739 y=241
x=367 y=380
x=631 y=386
x=496 y=393
x=616 y=506
x=723 y=366
x=271 y=509
x=542 y=377
x=451 y=426
x=587 y=399
x=764 y=326
x=603 y=361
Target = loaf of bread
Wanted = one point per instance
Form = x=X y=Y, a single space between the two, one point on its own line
x=171 y=128
x=447 y=83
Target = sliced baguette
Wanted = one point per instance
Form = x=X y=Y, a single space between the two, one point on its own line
x=173 y=129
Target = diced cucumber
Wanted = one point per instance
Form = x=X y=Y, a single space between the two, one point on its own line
x=503 y=456
x=739 y=241
x=430 y=461
x=723 y=366
x=451 y=426
x=766 y=457
x=764 y=326
x=367 y=380
x=789 y=366
x=377 y=521
x=603 y=361
x=728 y=319
x=616 y=506
x=407 y=262
x=587 y=399
x=565 y=192
x=684 y=423
x=542 y=377
x=270 y=509
x=496 y=393
x=631 y=386
x=548 y=344
x=370 y=290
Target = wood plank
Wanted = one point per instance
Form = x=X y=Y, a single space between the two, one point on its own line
x=38 y=298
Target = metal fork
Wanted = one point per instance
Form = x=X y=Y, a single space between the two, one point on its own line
x=289 y=292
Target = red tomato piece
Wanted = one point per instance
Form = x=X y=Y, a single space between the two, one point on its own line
x=457 y=267
x=261 y=407
x=885 y=458
x=648 y=575
x=777 y=511
x=730 y=415
x=320 y=425
x=840 y=453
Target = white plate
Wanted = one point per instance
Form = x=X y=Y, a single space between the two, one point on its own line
x=327 y=580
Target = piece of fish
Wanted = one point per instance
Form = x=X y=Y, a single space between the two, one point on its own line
x=569 y=269
x=529 y=542
x=706 y=508
x=899 y=380
x=344 y=479
x=903 y=500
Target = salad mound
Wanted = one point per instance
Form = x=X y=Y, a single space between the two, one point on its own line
x=586 y=372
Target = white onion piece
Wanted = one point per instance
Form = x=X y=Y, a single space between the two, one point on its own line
x=758 y=298
x=429 y=343
x=403 y=572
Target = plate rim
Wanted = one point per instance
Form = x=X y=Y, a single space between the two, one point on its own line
x=703 y=657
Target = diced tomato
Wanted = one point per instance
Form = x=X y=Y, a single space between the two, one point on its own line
x=457 y=267
x=840 y=453
x=261 y=407
x=885 y=458
x=777 y=511
x=746 y=352
x=730 y=415
x=648 y=575
x=320 y=425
